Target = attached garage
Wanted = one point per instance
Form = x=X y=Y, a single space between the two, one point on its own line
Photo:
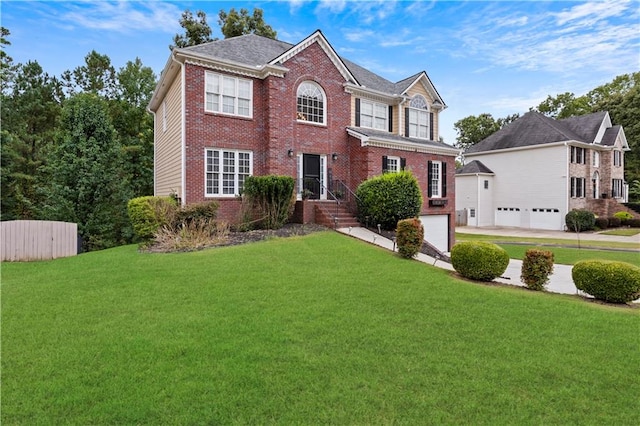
x=436 y=230
x=508 y=216
x=546 y=219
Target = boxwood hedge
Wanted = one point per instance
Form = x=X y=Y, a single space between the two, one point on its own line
x=611 y=281
x=479 y=260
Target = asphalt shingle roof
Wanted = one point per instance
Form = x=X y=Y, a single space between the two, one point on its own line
x=381 y=134
x=534 y=128
x=473 y=167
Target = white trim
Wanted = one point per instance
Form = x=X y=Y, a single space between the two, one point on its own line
x=324 y=103
x=183 y=136
x=373 y=116
x=403 y=145
x=211 y=76
x=236 y=173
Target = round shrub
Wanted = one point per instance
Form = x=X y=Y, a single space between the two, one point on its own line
x=409 y=235
x=537 y=265
x=388 y=198
x=479 y=260
x=580 y=220
x=632 y=223
x=611 y=281
x=602 y=223
x=622 y=215
x=149 y=213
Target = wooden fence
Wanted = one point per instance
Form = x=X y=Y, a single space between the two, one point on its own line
x=461 y=217
x=23 y=240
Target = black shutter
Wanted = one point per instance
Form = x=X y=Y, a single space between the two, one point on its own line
x=390 y=118
x=403 y=163
x=406 y=122
x=431 y=126
x=573 y=185
x=357 y=112
x=429 y=177
x=385 y=164
x=444 y=179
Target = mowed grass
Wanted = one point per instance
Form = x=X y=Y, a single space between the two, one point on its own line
x=321 y=329
x=624 y=232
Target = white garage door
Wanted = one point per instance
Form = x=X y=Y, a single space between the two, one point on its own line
x=436 y=230
x=508 y=216
x=546 y=219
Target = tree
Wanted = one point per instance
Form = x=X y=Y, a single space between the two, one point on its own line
x=96 y=76
x=564 y=105
x=87 y=186
x=29 y=119
x=235 y=24
x=473 y=129
x=197 y=31
x=6 y=61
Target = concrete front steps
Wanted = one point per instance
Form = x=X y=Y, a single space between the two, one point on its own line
x=332 y=216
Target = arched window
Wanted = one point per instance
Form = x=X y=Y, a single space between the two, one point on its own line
x=311 y=103
x=418 y=118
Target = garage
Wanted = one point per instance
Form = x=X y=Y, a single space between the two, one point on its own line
x=436 y=230
x=546 y=219
x=508 y=216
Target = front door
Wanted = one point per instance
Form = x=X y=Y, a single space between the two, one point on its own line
x=311 y=175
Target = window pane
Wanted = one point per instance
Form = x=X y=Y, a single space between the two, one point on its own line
x=243 y=89
x=228 y=104
x=229 y=86
x=367 y=108
x=243 y=107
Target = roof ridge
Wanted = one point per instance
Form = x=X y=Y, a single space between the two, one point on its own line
x=557 y=125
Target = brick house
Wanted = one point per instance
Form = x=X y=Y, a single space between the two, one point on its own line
x=251 y=105
x=535 y=170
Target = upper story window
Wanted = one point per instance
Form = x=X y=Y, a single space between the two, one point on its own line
x=617 y=158
x=374 y=115
x=226 y=171
x=577 y=155
x=418 y=118
x=311 y=103
x=228 y=95
x=595 y=158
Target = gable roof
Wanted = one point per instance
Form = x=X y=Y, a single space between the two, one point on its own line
x=474 y=167
x=534 y=129
x=259 y=56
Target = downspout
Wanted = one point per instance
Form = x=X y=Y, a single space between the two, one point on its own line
x=567 y=178
x=477 y=200
x=183 y=149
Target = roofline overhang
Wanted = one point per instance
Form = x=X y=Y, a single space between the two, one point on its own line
x=380 y=142
x=437 y=96
x=543 y=145
x=355 y=89
x=475 y=174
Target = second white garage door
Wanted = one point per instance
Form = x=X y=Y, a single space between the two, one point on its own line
x=436 y=230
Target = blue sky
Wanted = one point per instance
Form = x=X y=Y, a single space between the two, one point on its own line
x=496 y=57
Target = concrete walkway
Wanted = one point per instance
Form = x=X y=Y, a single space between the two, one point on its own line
x=559 y=282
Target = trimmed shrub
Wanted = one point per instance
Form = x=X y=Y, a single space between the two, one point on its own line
x=614 y=222
x=409 y=235
x=479 y=260
x=389 y=198
x=633 y=223
x=537 y=265
x=580 y=220
x=622 y=215
x=611 y=281
x=602 y=223
x=148 y=214
x=271 y=197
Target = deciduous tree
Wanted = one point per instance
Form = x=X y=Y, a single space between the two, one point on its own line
x=196 y=30
x=235 y=24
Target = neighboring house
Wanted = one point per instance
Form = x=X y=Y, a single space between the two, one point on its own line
x=251 y=105
x=533 y=171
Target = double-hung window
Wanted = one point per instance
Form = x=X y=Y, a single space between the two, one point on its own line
x=437 y=177
x=226 y=171
x=595 y=156
x=617 y=158
x=578 y=187
x=228 y=95
x=616 y=188
x=418 y=118
x=393 y=164
x=373 y=115
x=577 y=155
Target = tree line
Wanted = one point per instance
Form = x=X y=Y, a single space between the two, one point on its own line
x=78 y=146
x=620 y=97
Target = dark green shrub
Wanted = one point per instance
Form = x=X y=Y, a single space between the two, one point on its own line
x=271 y=197
x=409 y=236
x=580 y=220
x=614 y=222
x=602 y=223
x=389 y=198
x=611 y=281
x=148 y=214
x=205 y=211
x=537 y=265
x=479 y=260
x=622 y=215
x=633 y=223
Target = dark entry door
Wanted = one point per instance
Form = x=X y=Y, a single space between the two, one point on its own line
x=311 y=174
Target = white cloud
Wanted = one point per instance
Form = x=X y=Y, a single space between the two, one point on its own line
x=592 y=11
x=123 y=16
x=334 y=6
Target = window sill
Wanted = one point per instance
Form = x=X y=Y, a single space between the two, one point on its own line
x=312 y=123
x=224 y=114
x=438 y=202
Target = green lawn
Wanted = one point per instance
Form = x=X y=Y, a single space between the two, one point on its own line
x=321 y=329
x=625 y=232
x=584 y=241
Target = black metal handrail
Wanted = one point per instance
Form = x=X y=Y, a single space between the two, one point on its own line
x=329 y=192
x=350 y=195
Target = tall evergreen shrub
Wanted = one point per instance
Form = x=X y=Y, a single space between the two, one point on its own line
x=271 y=197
